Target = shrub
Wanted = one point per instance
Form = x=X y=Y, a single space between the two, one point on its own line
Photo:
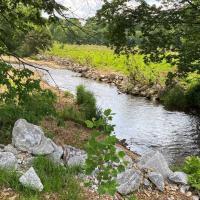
x=102 y=154
x=192 y=168
x=33 y=109
x=174 y=98
x=87 y=102
x=193 y=96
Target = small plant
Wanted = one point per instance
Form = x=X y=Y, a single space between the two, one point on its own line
x=192 y=168
x=102 y=154
x=87 y=102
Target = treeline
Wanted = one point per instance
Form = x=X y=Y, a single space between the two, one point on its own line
x=72 y=31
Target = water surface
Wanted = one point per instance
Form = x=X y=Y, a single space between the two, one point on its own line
x=142 y=123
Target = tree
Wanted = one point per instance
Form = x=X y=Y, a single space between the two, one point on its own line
x=169 y=30
x=18 y=22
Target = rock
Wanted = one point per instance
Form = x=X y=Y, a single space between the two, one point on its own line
x=77 y=160
x=30 y=138
x=10 y=148
x=156 y=162
x=129 y=181
x=146 y=182
x=184 y=189
x=73 y=156
x=8 y=160
x=44 y=148
x=195 y=197
x=57 y=155
x=188 y=194
x=157 y=179
x=30 y=179
x=179 y=177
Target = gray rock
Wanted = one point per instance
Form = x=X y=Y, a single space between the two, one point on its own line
x=157 y=179
x=73 y=156
x=44 y=148
x=10 y=148
x=57 y=154
x=184 y=188
x=179 y=177
x=195 y=197
x=77 y=160
x=155 y=161
x=30 y=138
x=30 y=179
x=8 y=160
x=146 y=183
x=129 y=181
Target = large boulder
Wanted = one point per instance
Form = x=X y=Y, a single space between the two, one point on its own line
x=30 y=138
x=179 y=177
x=157 y=179
x=31 y=180
x=155 y=161
x=8 y=160
x=128 y=181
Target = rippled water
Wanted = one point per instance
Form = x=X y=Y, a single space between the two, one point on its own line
x=142 y=123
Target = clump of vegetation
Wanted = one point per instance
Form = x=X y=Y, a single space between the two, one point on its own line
x=87 y=102
x=180 y=98
x=192 y=168
x=174 y=98
x=102 y=154
x=22 y=97
x=86 y=107
x=56 y=179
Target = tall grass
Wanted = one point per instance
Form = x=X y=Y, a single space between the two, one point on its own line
x=103 y=58
x=85 y=108
x=57 y=180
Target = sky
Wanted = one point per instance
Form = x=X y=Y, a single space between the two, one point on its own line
x=85 y=8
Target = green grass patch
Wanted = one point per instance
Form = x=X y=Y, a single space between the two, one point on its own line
x=103 y=58
x=56 y=179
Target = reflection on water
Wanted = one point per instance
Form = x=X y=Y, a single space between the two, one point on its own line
x=143 y=124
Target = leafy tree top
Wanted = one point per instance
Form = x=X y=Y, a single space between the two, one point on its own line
x=168 y=31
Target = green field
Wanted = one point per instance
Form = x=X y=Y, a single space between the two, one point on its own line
x=104 y=59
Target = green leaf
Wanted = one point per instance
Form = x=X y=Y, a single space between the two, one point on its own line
x=89 y=124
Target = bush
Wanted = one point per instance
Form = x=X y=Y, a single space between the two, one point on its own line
x=174 y=98
x=192 y=168
x=87 y=102
x=193 y=96
x=33 y=109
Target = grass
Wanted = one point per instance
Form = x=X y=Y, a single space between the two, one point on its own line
x=103 y=58
x=57 y=180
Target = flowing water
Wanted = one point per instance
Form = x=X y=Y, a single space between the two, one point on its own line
x=142 y=123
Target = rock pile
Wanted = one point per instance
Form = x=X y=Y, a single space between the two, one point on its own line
x=28 y=140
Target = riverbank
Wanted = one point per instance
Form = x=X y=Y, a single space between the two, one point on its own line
x=65 y=134
x=124 y=83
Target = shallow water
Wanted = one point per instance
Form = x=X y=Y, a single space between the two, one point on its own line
x=142 y=123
